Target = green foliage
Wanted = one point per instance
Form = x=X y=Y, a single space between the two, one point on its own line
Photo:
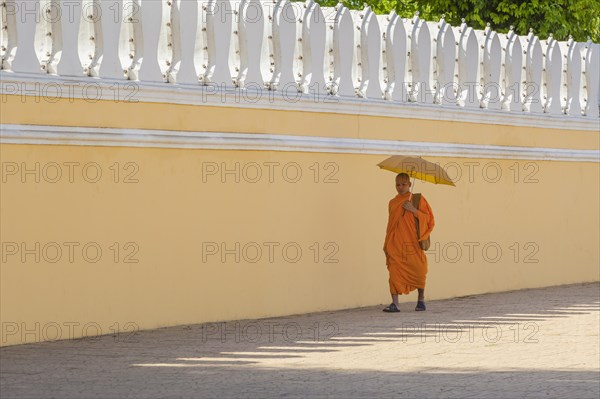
x=579 y=18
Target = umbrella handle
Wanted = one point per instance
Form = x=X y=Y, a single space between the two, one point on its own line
x=411 y=190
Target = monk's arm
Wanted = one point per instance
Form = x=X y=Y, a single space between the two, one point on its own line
x=387 y=230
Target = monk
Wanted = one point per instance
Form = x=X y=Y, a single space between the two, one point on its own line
x=406 y=261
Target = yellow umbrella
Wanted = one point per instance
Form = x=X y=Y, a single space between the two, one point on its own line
x=417 y=168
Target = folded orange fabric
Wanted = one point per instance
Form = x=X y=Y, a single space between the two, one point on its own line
x=406 y=261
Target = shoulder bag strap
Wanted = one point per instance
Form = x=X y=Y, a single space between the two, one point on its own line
x=416 y=199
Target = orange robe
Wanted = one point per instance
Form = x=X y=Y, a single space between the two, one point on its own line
x=406 y=261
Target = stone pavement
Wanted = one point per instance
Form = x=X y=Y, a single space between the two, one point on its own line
x=541 y=343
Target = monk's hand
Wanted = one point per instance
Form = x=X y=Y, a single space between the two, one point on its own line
x=409 y=207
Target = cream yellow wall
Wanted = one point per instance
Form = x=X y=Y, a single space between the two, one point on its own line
x=550 y=209
x=170 y=212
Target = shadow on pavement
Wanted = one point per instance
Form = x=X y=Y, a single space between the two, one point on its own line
x=325 y=354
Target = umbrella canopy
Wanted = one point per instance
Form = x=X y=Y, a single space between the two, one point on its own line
x=417 y=168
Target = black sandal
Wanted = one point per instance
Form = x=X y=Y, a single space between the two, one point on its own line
x=420 y=306
x=392 y=308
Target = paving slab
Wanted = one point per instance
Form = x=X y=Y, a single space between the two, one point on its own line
x=539 y=343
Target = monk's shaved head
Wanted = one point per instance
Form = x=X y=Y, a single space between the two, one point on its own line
x=402 y=183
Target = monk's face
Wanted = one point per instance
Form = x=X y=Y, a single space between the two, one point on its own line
x=402 y=184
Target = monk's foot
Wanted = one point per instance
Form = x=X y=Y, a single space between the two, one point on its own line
x=392 y=308
x=420 y=306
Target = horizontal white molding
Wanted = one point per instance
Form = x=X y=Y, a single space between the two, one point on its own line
x=58 y=135
x=51 y=88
